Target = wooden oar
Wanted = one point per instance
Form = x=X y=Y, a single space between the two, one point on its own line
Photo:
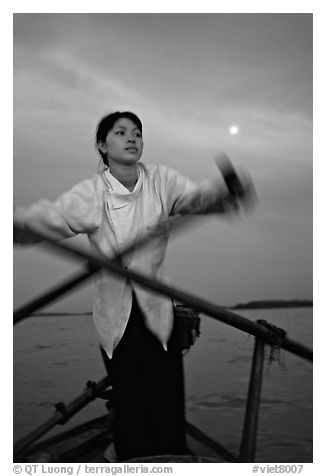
x=216 y=312
x=175 y=225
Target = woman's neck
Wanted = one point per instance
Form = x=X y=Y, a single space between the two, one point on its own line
x=126 y=174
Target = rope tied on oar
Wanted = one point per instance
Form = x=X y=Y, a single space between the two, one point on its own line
x=67 y=412
x=61 y=408
x=277 y=338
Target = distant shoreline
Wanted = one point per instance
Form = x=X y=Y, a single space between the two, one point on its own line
x=270 y=304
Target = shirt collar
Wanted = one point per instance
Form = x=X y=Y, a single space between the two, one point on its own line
x=120 y=196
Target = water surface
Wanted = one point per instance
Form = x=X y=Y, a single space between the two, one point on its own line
x=54 y=357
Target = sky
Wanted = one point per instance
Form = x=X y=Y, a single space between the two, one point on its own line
x=190 y=78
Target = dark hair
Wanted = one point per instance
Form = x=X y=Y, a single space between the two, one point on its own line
x=107 y=123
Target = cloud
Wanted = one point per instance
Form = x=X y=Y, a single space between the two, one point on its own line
x=189 y=77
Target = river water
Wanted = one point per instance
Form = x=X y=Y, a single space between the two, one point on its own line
x=54 y=357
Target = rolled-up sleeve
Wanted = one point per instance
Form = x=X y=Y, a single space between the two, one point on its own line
x=74 y=212
x=187 y=197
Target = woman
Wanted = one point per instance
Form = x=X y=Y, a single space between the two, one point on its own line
x=124 y=201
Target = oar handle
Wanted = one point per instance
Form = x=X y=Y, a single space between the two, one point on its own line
x=231 y=178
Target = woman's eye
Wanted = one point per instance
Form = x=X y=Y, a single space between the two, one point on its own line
x=120 y=133
x=138 y=134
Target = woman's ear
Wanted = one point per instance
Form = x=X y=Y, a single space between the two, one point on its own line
x=102 y=147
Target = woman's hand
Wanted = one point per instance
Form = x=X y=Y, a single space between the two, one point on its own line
x=233 y=204
x=241 y=189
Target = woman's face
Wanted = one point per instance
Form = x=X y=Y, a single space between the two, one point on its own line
x=124 y=142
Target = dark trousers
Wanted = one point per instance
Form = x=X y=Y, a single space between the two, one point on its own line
x=148 y=393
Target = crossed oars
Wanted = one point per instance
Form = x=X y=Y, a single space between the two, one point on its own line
x=113 y=265
x=94 y=263
x=235 y=189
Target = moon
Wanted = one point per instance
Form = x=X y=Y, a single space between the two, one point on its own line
x=233 y=130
